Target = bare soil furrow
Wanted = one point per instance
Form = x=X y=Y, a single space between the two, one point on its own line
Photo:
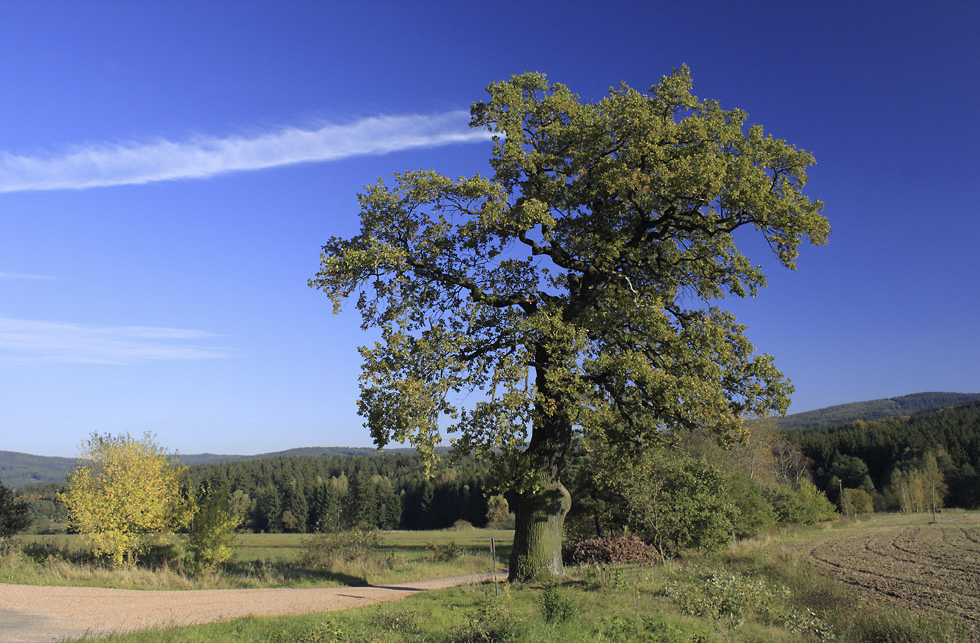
x=926 y=567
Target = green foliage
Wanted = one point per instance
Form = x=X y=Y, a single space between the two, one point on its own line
x=732 y=597
x=498 y=513
x=575 y=286
x=383 y=491
x=721 y=594
x=211 y=529
x=917 y=485
x=801 y=504
x=14 y=516
x=557 y=604
x=325 y=551
x=675 y=501
x=901 y=443
x=858 y=501
x=123 y=493
x=754 y=513
x=490 y=623
x=444 y=552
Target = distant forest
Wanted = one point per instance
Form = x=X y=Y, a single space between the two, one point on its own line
x=307 y=493
x=883 y=456
x=332 y=493
x=895 y=463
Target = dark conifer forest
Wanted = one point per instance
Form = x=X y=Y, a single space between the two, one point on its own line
x=938 y=449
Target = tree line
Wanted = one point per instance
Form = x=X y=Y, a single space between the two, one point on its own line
x=385 y=491
x=899 y=463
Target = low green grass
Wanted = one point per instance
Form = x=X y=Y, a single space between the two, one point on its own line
x=260 y=560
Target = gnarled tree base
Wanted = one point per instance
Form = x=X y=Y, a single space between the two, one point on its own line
x=537 y=538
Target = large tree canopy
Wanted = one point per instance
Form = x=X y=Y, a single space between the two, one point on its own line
x=576 y=287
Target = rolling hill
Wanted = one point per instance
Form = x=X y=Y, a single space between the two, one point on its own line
x=19 y=469
x=875 y=409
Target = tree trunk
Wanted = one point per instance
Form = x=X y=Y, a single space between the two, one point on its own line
x=537 y=537
x=542 y=501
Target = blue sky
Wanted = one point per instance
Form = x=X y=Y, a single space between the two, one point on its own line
x=168 y=172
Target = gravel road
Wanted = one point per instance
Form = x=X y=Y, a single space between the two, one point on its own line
x=33 y=614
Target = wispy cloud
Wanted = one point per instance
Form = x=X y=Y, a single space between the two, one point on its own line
x=20 y=276
x=101 y=165
x=24 y=340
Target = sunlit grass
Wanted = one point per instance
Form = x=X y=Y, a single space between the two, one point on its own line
x=260 y=560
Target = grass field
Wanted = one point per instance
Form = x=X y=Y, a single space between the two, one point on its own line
x=413 y=544
x=260 y=560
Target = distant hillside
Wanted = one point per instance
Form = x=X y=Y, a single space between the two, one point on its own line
x=19 y=469
x=875 y=409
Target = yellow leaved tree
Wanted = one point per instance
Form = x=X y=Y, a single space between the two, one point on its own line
x=123 y=493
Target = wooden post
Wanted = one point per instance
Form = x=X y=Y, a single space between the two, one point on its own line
x=493 y=553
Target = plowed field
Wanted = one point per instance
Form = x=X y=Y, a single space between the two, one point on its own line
x=910 y=562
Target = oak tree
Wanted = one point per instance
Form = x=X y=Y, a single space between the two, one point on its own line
x=576 y=288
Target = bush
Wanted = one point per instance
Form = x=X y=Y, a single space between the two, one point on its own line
x=557 y=604
x=211 y=533
x=720 y=594
x=324 y=551
x=674 y=500
x=444 y=552
x=803 y=504
x=608 y=551
x=858 y=501
x=493 y=622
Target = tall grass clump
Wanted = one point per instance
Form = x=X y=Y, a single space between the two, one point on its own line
x=557 y=604
x=900 y=626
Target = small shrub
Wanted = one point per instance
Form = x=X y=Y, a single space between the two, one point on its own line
x=557 y=604
x=444 y=552
x=498 y=513
x=608 y=551
x=324 y=551
x=463 y=525
x=211 y=531
x=617 y=628
x=493 y=623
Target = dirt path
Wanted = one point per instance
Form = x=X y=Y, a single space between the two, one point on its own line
x=32 y=614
